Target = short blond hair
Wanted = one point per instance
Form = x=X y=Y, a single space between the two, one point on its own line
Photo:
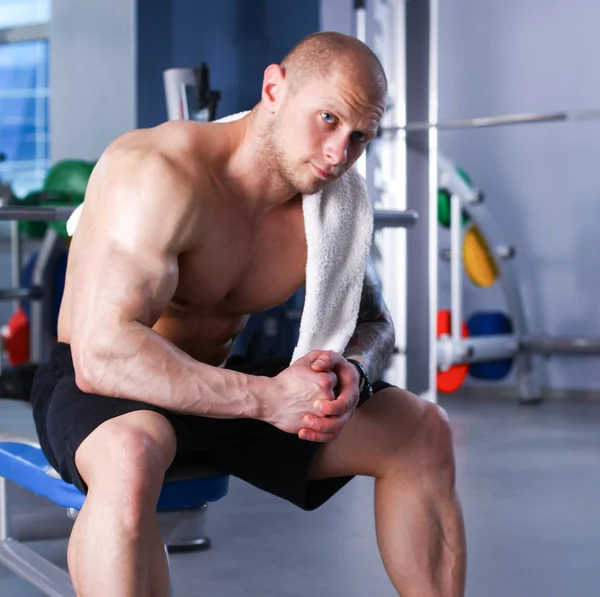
x=319 y=54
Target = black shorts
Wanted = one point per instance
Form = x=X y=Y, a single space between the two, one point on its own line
x=257 y=452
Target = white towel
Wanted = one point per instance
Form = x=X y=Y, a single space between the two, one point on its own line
x=338 y=223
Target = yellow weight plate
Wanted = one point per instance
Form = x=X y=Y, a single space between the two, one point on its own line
x=477 y=259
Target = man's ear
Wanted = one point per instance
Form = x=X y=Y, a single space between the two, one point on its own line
x=272 y=88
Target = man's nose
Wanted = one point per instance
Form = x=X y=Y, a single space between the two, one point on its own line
x=336 y=151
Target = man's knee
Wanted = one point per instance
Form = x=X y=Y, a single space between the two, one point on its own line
x=435 y=445
x=128 y=454
x=417 y=439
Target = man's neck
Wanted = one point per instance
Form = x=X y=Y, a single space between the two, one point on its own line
x=249 y=171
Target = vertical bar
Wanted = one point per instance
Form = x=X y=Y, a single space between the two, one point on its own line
x=433 y=195
x=360 y=21
x=421 y=104
x=455 y=273
x=386 y=168
x=15 y=258
x=5 y=532
x=41 y=340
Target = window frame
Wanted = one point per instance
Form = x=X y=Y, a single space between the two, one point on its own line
x=20 y=33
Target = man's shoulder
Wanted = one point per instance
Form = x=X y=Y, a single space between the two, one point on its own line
x=168 y=140
x=171 y=151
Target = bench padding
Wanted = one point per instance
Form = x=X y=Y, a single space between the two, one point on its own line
x=24 y=463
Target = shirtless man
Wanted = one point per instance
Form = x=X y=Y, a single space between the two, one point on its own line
x=187 y=229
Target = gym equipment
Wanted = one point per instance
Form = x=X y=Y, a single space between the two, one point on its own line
x=449 y=379
x=504 y=342
x=188 y=94
x=503 y=120
x=479 y=264
x=405 y=167
x=393 y=218
x=182 y=510
x=64 y=185
x=69 y=177
x=444 y=203
x=60 y=272
x=15 y=337
x=490 y=323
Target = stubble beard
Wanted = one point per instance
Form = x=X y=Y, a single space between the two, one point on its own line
x=274 y=159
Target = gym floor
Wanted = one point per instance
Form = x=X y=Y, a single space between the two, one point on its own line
x=530 y=486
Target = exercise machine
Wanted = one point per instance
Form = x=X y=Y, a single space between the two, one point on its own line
x=468 y=205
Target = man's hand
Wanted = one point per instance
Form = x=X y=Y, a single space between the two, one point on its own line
x=294 y=393
x=334 y=413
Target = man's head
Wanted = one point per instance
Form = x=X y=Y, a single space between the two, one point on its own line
x=324 y=103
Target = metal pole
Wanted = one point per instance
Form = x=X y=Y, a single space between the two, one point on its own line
x=15 y=258
x=360 y=15
x=5 y=532
x=392 y=218
x=40 y=344
x=421 y=58
x=455 y=274
x=492 y=121
x=36 y=214
x=548 y=345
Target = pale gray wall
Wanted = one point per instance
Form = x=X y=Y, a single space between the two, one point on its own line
x=92 y=75
x=542 y=182
x=337 y=15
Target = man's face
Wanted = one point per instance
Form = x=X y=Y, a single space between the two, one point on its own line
x=323 y=128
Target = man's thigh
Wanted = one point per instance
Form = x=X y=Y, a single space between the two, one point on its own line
x=385 y=428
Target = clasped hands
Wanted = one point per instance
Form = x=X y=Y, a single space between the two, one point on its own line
x=317 y=396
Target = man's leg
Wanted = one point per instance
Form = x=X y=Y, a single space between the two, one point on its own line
x=115 y=547
x=406 y=444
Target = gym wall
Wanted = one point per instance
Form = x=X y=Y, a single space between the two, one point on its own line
x=541 y=182
x=92 y=76
x=236 y=38
x=107 y=60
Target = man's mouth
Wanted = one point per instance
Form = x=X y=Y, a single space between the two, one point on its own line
x=323 y=173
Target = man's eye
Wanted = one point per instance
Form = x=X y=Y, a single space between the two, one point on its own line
x=360 y=137
x=328 y=118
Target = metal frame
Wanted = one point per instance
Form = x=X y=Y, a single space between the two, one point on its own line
x=422 y=253
x=382 y=24
x=520 y=344
x=21 y=33
x=23 y=561
x=43 y=275
x=181 y=530
x=404 y=37
x=502 y=120
x=464 y=350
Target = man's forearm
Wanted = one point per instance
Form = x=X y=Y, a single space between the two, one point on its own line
x=374 y=337
x=139 y=364
x=372 y=344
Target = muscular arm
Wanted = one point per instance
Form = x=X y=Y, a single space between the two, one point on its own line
x=373 y=340
x=139 y=218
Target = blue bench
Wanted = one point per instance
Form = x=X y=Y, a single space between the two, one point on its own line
x=182 y=509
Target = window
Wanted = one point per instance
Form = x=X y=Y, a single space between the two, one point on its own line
x=16 y=13
x=24 y=114
x=23 y=94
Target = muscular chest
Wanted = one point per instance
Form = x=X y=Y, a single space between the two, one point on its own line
x=243 y=270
